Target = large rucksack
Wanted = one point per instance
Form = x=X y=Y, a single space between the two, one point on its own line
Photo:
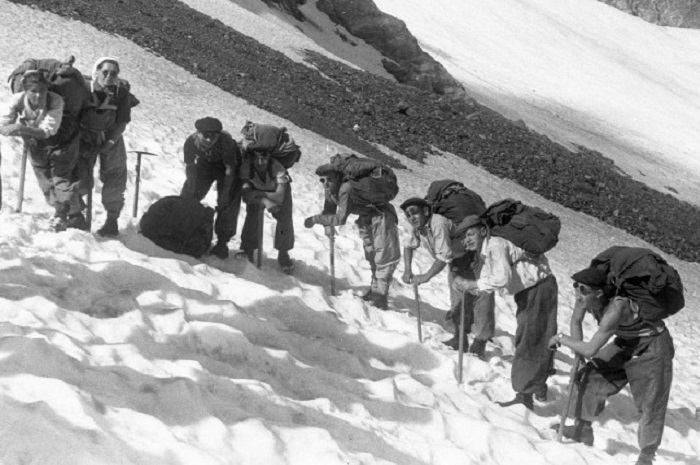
x=644 y=277
x=272 y=139
x=64 y=80
x=453 y=200
x=179 y=224
x=530 y=228
x=373 y=183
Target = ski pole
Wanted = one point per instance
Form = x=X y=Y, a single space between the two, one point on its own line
x=460 y=362
x=417 y=298
x=567 y=405
x=22 y=174
x=332 y=240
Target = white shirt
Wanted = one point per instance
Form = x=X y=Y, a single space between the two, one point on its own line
x=47 y=119
x=505 y=266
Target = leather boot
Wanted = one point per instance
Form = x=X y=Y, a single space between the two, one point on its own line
x=581 y=431
x=220 y=250
x=520 y=399
x=111 y=227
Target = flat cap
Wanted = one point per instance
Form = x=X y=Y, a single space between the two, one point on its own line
x=208 y=124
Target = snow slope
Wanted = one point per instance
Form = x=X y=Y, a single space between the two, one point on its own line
x=118 y=352
x=579 y=71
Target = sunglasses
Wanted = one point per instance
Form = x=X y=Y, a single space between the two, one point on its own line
x=108 y=73
x=585 y=290
x=325 y=180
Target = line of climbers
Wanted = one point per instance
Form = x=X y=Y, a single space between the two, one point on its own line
x=499 y=249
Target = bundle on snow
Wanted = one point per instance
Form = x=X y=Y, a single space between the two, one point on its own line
x=179 y=224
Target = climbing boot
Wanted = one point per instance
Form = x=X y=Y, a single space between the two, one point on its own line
x=110 y=228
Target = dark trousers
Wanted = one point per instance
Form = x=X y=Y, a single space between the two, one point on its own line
x=56 y=171
x=200 y=178
x=284 y=230
x=479 y=310
x=536 y=316
x=113 y=173
x=647 y=365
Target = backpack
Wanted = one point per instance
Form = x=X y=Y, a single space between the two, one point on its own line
x=64 y=80
x=373 y=183
x=452 y=200
x=530 y=228
x=644 y=277
x=270 y=138
x=179 y=224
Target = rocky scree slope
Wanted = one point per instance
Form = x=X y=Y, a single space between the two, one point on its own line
x=405 y=119
x=675 y=13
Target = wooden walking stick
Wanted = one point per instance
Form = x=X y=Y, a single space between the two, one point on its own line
x=332 y=239
x=460 y=362
x=567 y=404
x=22 y=174
x=417 y=298
x=138 y=178
x=261 y=224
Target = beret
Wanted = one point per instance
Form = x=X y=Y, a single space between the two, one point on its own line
x=326 y=169
x=417 y=201
x=593 y=277
x=208 y=124
x=469 y=221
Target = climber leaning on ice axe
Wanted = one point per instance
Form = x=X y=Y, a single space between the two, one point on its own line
x=641 y=355
x=377 y=225
x=505 y=266
x=439 y=236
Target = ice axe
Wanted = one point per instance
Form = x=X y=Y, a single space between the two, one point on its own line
x=22 y=175
x=261 y=226
x=417 y=298
x=138 y=178
x=332 y=239
x=461 y=341
x=567 y=404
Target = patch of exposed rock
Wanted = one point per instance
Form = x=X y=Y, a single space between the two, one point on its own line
x=404 y=59
x=676 y=13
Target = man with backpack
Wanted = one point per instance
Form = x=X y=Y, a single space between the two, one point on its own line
x=266 y=186
x=641 y=353
x=436 y=233
x=211 y=155
x=51 y=141
x=528 y=277
x=345 y=195
x=101 y=136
